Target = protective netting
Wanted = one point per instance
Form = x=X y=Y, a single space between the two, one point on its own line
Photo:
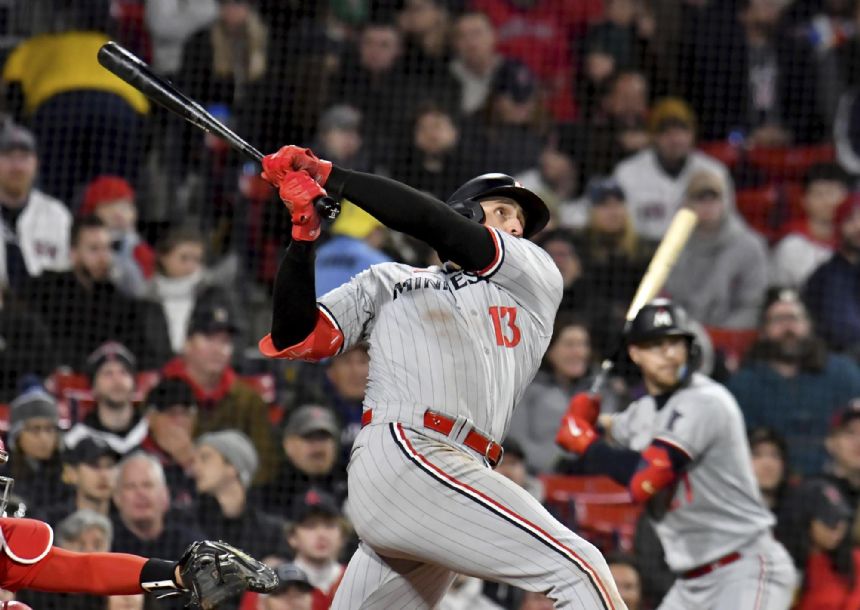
x=138 y=255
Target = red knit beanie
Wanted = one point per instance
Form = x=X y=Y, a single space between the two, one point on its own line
x=105 y=189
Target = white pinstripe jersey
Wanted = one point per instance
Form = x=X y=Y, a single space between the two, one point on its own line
x=460 y=343
x=716 y=507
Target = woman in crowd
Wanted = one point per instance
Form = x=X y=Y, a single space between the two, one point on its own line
x=34 y=438
x=566 y=370
x=181 y=278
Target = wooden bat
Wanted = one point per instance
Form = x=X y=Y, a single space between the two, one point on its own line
x=138 y=74
x=652 y=282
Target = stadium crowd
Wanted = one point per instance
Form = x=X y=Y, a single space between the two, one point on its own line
x=137 y=256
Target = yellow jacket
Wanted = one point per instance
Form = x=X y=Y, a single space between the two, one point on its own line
x=50 y=64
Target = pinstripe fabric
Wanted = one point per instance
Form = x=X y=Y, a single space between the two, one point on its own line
x=428 y=507
x=465 y=345
x=434 y=341
x=763 y=578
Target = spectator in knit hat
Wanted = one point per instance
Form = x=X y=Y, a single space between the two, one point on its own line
x=36 y=226
x=311 y=450
x=83 y=531
x=224 y=400
x=339 y=138
x=111 y=198
x=115 y=418
x=90 y=467
x=831 y=293
x=224 y=465
x=171 y=414
x=34 y=440
x=656 y=178
x=355 y=245
x=721 y=275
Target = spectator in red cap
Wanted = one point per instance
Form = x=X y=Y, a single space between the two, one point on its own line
x=111 y=198
x=832 y=290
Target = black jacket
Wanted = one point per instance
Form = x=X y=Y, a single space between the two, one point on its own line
x=80 y=319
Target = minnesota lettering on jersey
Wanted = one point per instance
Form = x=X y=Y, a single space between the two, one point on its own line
x=456 y=280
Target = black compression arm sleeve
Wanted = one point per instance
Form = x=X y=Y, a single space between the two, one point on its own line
x=618 y=463
x=402 y=208
x=294 y=308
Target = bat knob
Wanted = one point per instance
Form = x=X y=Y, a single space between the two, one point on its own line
x=327 y=208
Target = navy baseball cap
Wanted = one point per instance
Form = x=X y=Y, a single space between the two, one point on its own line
x=89 y=450
x=601 y=188
x=291 y=575
x=515 y=79
x=315 y=503
x=210 y=317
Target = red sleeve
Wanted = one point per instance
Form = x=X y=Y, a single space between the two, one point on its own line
x=62 y=571
x=25 y=541
x=145 y=257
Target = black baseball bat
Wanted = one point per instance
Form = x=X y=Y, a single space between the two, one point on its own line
x=138 y=74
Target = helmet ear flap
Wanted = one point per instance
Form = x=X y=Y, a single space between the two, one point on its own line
x=470 y=208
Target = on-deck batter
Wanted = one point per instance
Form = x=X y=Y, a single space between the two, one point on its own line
x=682 y=449
x=452 y=349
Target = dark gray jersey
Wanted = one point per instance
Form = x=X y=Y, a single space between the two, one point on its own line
x=715 y=507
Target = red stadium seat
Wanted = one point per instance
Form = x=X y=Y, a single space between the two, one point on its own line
x=733 y=343
x=722 y=150
x=756 y=205
x=789 y=163
x=599 y=508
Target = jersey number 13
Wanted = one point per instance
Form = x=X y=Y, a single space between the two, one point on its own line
x=505 y=325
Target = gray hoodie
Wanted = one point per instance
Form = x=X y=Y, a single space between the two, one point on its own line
x=721 y=277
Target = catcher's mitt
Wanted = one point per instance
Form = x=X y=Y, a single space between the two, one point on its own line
x=216 y=571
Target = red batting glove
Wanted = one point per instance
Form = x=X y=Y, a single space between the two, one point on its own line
x=298 y=192
x=575 y=434
x=585 y=405
x=294 y=159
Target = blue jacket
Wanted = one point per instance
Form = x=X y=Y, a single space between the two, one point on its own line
x=832 y=296
x=799 y=407
x=340 y=259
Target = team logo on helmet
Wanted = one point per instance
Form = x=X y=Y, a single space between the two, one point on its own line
x=663 y=317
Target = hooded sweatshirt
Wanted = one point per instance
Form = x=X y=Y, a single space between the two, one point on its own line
x=721 y=276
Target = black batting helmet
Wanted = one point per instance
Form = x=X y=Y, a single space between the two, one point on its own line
x=658 y=318
x=466 y=200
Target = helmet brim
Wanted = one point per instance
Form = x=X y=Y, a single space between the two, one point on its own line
x=534 y=209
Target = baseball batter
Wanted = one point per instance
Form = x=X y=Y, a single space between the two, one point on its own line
x=682 y=449
x=452 y=349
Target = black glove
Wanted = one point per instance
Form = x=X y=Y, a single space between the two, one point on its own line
x=214 y=571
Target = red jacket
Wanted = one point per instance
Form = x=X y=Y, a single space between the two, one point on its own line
x=827 y=590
